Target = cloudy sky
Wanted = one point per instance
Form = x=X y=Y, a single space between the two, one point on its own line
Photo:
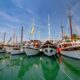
x=15 y=13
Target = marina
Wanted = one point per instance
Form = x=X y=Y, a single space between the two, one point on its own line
x=39 y=40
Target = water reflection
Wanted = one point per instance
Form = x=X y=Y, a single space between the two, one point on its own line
x=38 y=68
x=28 y=68
x=21 y=67
x=50 y=68
x=72 y=67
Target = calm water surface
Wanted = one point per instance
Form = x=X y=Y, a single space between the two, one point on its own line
x=21 y=67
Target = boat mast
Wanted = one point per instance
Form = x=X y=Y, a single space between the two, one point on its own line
x=49 y=27
x=22 y=34
x=39 y=35
x=70 y=22
x=62 y=31
x=33 y=28
x=16 y=39
x=14 y=36
x=4 y=37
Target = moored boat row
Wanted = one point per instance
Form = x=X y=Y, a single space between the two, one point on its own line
x=33 y=48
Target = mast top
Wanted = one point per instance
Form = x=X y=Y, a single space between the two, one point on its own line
x=70 y=22
x=49 y=26
x=33 y=22
x=48 y=20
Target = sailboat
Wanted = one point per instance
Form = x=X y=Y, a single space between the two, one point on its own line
x=72 y=44
x=16 y=48
x=32 y=49
x=48 y=47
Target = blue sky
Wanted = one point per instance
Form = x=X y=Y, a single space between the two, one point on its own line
x=15 y=13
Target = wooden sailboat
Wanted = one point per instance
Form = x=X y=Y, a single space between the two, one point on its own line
x=48 y=47
x=71 y=45
x=32 y=49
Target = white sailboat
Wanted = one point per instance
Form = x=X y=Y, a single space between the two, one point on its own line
x=48 y=47
x=15 y=49
x=31 y=49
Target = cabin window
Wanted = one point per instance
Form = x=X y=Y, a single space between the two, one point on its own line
x=46 y=50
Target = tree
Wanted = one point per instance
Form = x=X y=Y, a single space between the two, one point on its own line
x=75 y=37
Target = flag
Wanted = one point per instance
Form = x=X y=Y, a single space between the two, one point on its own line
x=32 y=31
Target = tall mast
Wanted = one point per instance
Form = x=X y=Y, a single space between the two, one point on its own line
x=62 y=31
x=39 y=35
x=16 y=39
x=49 y=27
x=22 y=34
x=70 y=22
x=4 y=37
x=33 y=28
x=14 y=36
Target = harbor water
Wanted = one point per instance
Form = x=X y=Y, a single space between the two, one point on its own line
x=21 y=67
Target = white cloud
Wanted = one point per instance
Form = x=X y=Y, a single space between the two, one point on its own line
x=7 y=27
x=76 y=6
x=7 y=17
x=76 y=11
x=19 y=4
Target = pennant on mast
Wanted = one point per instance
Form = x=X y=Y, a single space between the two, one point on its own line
x=33 y=29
